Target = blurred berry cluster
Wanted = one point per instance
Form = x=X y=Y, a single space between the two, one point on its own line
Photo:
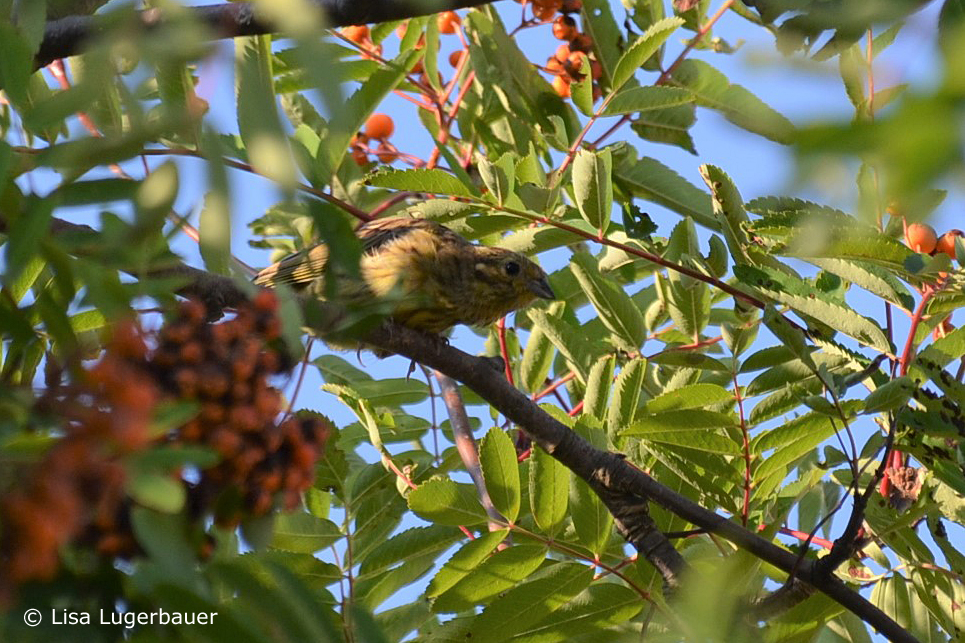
x=106 y=412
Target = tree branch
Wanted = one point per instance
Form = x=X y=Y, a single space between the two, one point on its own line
x=68 y=36
x=621 y=486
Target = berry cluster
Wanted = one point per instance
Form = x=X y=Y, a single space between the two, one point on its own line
x=921 y=237
x=225 y=369
x=76 y=492
x=572 y=60
x=378 y=127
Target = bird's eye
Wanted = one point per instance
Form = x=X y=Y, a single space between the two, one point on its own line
x=512 y=268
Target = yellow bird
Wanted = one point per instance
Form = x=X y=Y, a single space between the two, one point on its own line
x=433 y=277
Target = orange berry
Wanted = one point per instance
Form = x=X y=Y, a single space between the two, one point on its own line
x=545 y=10
x=596 y=69
x=921 y=237
x=575 y=61
x=360 y=157
x=448 y=22
x=571 y=6
x=562 y=86
x=356 y=33
x=554 y=66
x=946 y=243
x=564 y=28
x=379 y=126
x=386 y=154
x=582 y=42
x=562 y=53
x=455 y=57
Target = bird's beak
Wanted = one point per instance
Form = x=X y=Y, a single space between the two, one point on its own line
x=541 y=288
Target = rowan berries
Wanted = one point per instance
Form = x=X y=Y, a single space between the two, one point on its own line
x=379 y=126
x=921 y=237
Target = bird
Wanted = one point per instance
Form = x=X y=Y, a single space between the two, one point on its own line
x=431 y=277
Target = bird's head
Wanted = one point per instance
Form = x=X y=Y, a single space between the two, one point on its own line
x=506 y=280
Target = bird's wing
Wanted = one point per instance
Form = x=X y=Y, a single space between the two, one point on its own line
x=299 y=269
x=302 y=268
x=377 y=234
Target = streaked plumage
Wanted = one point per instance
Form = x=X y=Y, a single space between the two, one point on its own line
x=434 y=277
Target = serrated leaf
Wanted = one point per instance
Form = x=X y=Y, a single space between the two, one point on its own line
x=871 y=278
x=410 y=544
x=670 y=125
x=434 y=181
x=594 y=612
x=568 y=340
x=303 y=532
x=692 y=396
x=804 y=298
x=491 y=577
x=645 y=46
x=712 y=89
x=497 y=456
x=615 y=308
x=598 y=386
x=890 y=396
x=464 y=561
x=530 y=602
x=537 y=360
x=652 y=180
x=447 y=503
x=642 y=99
x=626 y=395
x=549 y=487
x=592 y=187
x=591 y=519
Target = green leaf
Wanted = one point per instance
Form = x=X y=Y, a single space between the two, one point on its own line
x=688 y=302
x=549 y=485
x=890 y=396
x=265 y=142
x=652 y=180
x=537 y=360
x=670 y=125
x=594 y=613
x=464 y=561
x=692 y=396
x=303 y=532
x=591 y=519
x=569 y=341
x=434 y=181
x=499 y=177
x=214 y=224
x=497 y=456
x=599 y=24
x=871 y=278
x=712 y=89
x=626 y=396
x=447 y=503
x=642 y=99
x=157 y=491
x=615 y=308
x=593 y=188
x=804 y=298
x=532 y=601
x=641 y=50
x=598 y=386
x=496 y=574
x=411 y=544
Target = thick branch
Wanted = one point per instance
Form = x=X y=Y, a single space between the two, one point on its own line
x=609 y=474
x=68 y=36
